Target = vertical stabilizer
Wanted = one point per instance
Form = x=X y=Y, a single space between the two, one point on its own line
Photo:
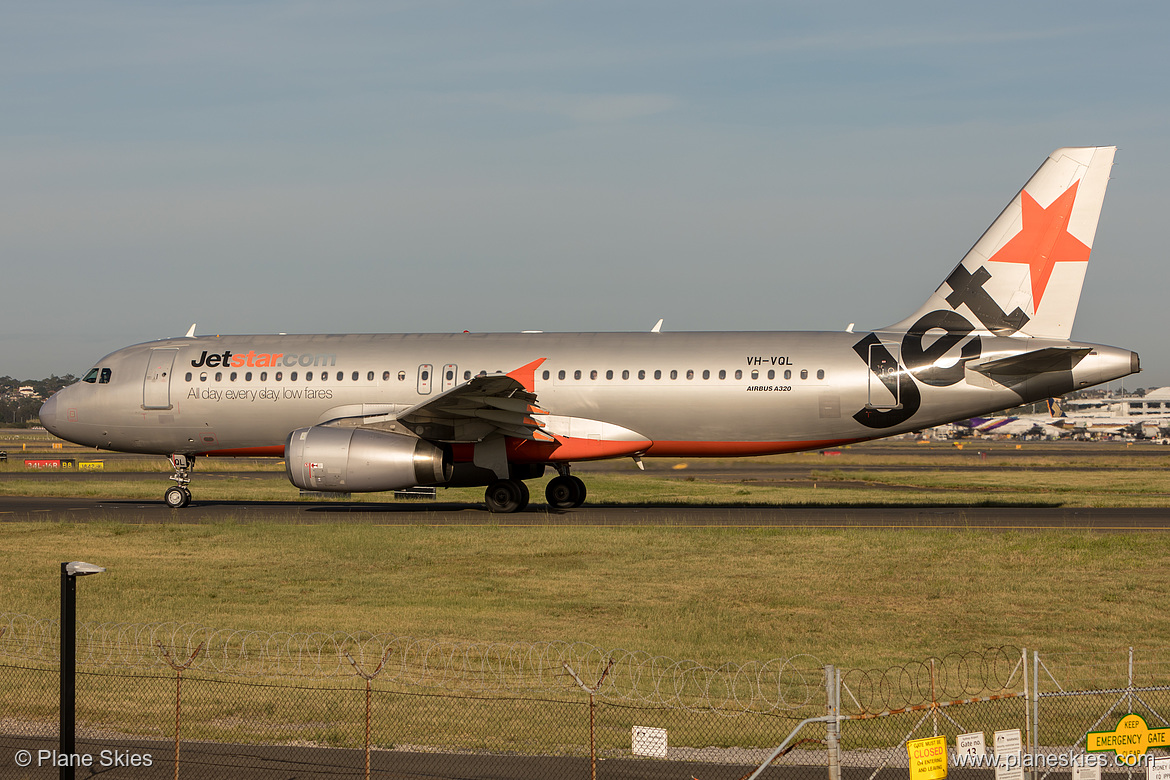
x=1024 y=276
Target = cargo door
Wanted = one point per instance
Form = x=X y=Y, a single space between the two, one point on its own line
x=156 y=388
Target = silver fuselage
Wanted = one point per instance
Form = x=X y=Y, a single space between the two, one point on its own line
x=684 y=394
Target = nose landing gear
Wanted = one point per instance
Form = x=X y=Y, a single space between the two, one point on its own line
x=177 y=495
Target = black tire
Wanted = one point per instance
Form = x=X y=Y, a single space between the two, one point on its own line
x=176 y=497
x=581 y=492
x=186 y=496
x=563 y=492
x=505 y=496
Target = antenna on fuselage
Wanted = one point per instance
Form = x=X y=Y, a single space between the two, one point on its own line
x=657 y=327
x=191 y=331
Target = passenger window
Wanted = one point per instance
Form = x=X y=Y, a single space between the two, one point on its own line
x=804 y=373
x=788 y=373
x=673 y=374
x=248 y=377
x=706 y=373
x=577 y=374
x=467 y=375
x=202 y=376
x=341 y=376
x=188 y=377
x=450 y=375
x=561 y=374
x=218 y=376
x=755 y=373
x=593 y=374
x=105 y=377
x=385 y=376
x=425 y=375
x=722 y=373
x=690 y=373
x=820 y=373
x=657 y=374
x=609 y=374
x=279 y=375
x=771 y=373
x=308 y=376
x=626 y=374
x=641 y=373
x=369 y=376
x=233 y=376
x=263 y=376
x=292 y=377
x=354 y=376
x=401 y=376
x=91 y=377
x=324 y=376
x=739 y=373
x=545 y=375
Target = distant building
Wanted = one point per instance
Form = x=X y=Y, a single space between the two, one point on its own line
x=1155 y=402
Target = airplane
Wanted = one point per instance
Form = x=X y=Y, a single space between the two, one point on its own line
x=1022 y=424
x=1030 y=425
x=382 y=412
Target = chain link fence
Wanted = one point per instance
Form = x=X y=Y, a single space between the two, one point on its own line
x=205 y=703
x=241 y=703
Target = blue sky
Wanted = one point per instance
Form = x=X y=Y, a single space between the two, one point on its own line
x=499 y=166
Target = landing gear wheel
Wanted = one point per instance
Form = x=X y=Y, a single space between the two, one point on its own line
x=177 y=497
x=565 y=492
x=505 y=496
x=581 y=491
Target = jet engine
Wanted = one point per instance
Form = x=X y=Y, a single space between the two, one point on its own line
x=361 y=460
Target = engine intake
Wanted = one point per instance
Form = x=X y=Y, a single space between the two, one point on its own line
x=361 y=460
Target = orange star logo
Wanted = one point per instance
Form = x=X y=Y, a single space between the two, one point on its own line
x=1044 y=240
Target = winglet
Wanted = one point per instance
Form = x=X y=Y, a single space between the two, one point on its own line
x=526 y=375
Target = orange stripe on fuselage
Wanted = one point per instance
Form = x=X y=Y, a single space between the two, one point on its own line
x=737 y=449
x=567 y=450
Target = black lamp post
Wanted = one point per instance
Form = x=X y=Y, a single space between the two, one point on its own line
x=69 y=574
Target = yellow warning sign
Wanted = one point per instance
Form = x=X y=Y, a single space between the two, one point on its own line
x=928 y=758
x=1132 y=737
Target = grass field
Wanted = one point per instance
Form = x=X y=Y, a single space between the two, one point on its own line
x=853 y=598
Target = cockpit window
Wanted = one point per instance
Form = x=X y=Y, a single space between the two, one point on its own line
x=91 y=377
x=105 y=377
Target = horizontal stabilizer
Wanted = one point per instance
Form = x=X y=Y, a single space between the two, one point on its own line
x=1036 y=362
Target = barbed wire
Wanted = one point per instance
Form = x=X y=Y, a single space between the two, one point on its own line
x=785 y=685
x=947 y=678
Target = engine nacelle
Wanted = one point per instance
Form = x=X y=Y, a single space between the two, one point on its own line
x=362 y=461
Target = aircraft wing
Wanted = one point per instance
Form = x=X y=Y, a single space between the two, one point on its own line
x=485 y=405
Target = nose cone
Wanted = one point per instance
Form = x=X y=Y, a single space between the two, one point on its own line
x=49 y=415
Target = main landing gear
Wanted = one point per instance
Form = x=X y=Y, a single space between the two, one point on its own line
x=505 y=496
x=177 y=495
x=565 y=491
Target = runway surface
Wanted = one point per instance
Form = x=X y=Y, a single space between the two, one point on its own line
x=22 y=509
x=797 y=471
